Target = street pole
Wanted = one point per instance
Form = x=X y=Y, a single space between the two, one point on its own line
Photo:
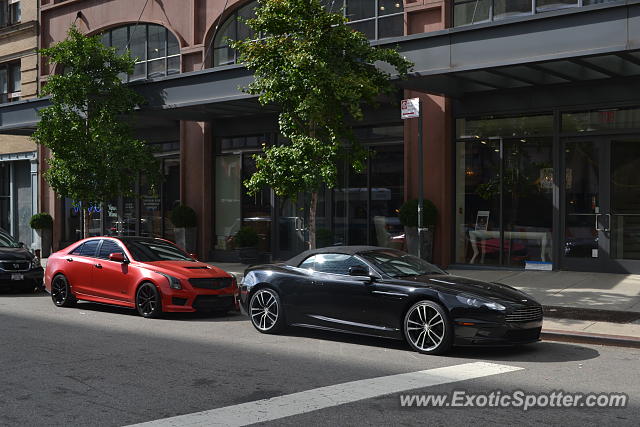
x=420 y=181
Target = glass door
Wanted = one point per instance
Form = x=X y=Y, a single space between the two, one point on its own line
x=623 y=215
x=585 y=241
x=602 y=205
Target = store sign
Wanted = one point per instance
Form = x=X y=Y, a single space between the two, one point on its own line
x=410 y=108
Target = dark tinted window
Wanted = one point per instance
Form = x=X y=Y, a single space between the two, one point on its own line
x=331 y=263
x=89 y=248
x=109 y=247
x=6 y=241
x=155 y=250
x=77 y=250
x=399 y=264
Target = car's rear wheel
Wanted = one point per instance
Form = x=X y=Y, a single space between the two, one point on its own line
x=148 y=301
x=266 y=312
x=61 y=292
x=427 y=328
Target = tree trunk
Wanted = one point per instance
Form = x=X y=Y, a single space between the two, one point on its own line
x=85 y=223
x=312 y=220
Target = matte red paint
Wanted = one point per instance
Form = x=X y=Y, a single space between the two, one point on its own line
x=116 y=283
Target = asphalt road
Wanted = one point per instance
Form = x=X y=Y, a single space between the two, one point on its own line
x=97 y=365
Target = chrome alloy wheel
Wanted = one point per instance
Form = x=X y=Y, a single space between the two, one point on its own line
x=425 y=327
x=264 y=310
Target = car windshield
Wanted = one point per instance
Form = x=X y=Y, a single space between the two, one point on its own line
x=155 y=250
x=6 y=241
x=400 y=264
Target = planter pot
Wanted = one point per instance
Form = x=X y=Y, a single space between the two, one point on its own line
x=411 y=238
x=186 y=238
x=44 y=242
x=248 y=256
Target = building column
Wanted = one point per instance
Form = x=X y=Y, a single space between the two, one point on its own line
x=196 y=179
x=423 y=16
x=35 y=239
x=437 y=164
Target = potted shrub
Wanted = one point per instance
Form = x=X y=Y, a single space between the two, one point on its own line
x=246 y=243
x=184 y=221
x=42 y=223
x=409 y=218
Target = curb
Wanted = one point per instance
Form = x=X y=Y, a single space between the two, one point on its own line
x=589 y=338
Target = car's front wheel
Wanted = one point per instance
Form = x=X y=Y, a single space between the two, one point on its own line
x=266 y=312
x=148 y=301
x=61 y=292
x=427 y=328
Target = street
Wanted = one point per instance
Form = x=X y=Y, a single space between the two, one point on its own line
x=98 y=365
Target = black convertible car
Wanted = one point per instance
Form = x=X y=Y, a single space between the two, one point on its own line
x=388 y=293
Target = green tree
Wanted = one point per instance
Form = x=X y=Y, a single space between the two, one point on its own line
x=93 y=152
x=320 y=73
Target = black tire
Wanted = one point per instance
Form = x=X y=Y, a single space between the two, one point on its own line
x=266 y=311
x=61 y=292
x=427 y=328
x=149 y=301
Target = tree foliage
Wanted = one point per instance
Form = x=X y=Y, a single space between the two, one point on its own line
x=93 y=152
x=320 y=73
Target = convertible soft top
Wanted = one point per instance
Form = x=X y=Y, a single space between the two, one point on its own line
x=347 y=250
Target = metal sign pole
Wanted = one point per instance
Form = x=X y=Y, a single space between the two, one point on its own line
x=420 y=182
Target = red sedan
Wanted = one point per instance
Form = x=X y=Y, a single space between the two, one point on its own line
x=151 y=275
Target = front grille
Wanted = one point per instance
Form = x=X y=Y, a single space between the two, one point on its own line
x=14 y=265
x=214 y=302
x=211 y=283
x=527 y=314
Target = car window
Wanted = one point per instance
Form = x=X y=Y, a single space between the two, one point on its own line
x=109 y=247
x=333 y=263
x=308 y=263
x=77 y=250
x=89 y=248
x=155 y=250
x=6 y=241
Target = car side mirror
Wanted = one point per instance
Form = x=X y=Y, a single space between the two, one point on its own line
x=359 y=270
x=117 y=257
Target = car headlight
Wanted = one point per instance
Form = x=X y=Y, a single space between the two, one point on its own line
x=35 y=262
x=174 y=282
x=477 y=302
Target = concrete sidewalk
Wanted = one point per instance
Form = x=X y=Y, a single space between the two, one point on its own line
x=571 y=294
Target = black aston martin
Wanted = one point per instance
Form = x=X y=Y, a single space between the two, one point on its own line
x=388 y=293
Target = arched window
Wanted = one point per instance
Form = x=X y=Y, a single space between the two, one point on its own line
x=155 y=49
x=232 y=29
x=377 y=19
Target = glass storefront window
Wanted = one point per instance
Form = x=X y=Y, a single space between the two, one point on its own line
x=227 y=203
x=504 y=126
x=147 y=215
x=599 y=120
x=504 y=188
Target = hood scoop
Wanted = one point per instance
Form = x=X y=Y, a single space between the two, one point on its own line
x=198 y=268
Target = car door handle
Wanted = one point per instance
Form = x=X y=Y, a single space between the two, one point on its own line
x=97 y=265
x=69 y=259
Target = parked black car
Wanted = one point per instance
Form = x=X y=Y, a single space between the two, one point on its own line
x=387 y=293
x=19 y=268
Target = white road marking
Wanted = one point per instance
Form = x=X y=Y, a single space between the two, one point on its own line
x=333 y=395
